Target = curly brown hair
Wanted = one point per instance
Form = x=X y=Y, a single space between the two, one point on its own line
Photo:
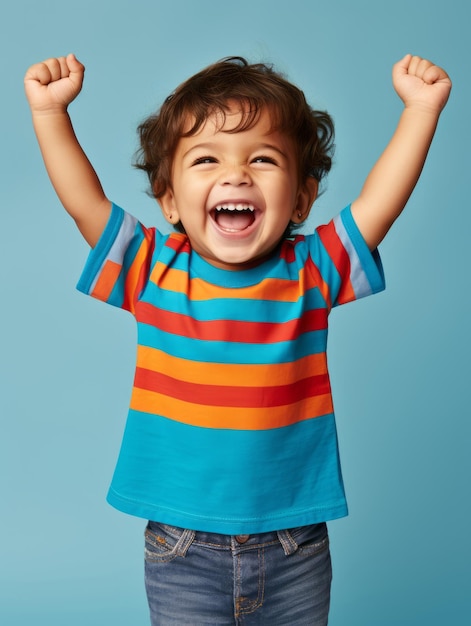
x=255 y=86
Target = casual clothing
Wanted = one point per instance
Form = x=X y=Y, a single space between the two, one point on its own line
x=231 y=427
x=201 y=579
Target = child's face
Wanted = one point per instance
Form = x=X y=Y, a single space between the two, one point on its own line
x=235 y=193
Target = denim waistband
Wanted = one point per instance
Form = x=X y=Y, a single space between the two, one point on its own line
x=289 y=538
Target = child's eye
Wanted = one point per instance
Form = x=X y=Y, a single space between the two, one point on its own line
x=264 y=159
x=204 y=160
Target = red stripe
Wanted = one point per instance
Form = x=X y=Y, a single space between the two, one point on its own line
x=340 y=258
x=230 y=330
x=288 y=252
x=227 y=396
x=178 y=242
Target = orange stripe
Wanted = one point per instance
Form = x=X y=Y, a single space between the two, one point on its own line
x=243 y=375
x=106 y=280
x=134 y=273
x=269 y=289
x=227 y=417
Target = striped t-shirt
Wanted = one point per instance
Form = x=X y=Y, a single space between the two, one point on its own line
x=231 y=426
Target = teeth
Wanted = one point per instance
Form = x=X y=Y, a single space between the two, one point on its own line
x=235 y=207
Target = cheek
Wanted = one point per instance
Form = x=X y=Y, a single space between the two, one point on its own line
x=193 y=190
x=284 y=199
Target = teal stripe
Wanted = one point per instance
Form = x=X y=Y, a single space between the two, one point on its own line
x=237 y=353
x=210 y=462
x=232 y=308
x=273 y=268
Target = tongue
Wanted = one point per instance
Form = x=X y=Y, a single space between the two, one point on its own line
x=234 y=220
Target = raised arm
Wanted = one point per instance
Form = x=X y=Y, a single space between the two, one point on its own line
x=424 y=88
x=50 y=87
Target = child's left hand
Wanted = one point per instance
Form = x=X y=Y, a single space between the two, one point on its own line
x=418 y=82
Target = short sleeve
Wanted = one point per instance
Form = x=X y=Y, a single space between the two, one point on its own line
x=348 y=268
x=118 y=266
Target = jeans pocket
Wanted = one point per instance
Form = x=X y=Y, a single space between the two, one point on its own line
x=311 y=540
x=162 y=546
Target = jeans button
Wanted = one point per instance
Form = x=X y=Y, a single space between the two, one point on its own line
x=242 y=538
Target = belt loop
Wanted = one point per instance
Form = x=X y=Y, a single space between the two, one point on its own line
x=185 y=541
x=288 y=543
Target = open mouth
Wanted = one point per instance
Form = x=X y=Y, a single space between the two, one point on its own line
x=234 y=218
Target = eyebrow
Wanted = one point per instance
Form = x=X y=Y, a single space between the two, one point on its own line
x=208 y=145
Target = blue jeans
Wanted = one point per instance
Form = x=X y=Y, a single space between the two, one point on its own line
x=272 y=579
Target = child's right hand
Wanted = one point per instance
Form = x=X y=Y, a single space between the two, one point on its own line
x=50 y=87
x=53 y=84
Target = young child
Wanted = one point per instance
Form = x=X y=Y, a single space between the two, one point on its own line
x=230 y=447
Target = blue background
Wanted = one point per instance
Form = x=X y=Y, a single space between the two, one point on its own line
x=399 y=361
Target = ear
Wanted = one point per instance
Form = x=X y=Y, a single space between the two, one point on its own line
x=168 y=206
x=307 y=194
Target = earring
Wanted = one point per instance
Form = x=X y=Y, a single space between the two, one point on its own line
x=299 y=215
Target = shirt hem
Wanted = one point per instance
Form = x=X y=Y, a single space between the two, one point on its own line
x=226 y=526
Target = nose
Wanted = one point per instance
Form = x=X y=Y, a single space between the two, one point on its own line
x=235 y=175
